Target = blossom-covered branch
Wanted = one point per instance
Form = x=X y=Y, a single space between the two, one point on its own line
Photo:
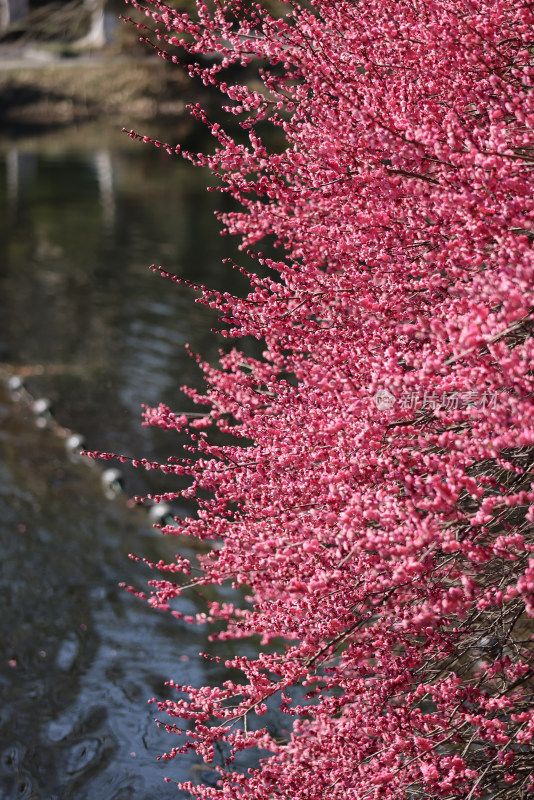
x=379 y=499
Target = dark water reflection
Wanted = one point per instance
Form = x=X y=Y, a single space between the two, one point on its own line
x=94 y=330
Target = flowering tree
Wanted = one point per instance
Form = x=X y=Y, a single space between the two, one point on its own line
x=378 y=500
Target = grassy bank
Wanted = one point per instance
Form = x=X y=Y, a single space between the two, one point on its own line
x=121 y=92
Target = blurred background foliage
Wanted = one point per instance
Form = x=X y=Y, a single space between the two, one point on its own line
x=70 y=23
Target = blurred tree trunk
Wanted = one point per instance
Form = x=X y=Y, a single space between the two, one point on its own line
x=97 y=35
x=12 y=11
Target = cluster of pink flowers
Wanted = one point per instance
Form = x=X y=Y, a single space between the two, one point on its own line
x=388 y=553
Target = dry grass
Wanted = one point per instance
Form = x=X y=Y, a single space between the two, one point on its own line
x=123 y=90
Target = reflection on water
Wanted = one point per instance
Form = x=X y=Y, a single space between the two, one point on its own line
x=95 y=331
x=77 y=300
x=103 y=165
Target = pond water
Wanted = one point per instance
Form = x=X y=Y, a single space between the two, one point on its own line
x=88 y=326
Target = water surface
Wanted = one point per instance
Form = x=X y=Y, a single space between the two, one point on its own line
x=90 y=327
